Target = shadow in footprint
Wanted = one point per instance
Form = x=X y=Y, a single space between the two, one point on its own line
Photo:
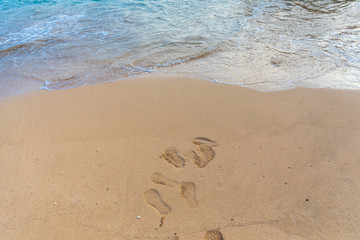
x=158 y=178
x=204 y=153
x=213 y=235
x=204 y=141
x=171 y=156
x=207 y=154
x=187 y=192
x=153 y=199
x=173 y=238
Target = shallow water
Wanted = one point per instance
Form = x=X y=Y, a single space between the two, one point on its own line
x=265 y=45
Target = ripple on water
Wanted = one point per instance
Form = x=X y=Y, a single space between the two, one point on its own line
x=265 y=45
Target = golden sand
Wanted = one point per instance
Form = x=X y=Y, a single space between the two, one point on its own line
x=94 y=162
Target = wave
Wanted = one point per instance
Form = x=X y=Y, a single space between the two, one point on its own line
x=262 y=44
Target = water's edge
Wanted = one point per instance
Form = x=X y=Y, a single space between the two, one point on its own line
x=264 y=45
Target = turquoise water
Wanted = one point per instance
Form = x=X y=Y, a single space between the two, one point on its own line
x=265 y=45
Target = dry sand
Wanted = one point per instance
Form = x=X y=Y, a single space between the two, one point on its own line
x=162 y=157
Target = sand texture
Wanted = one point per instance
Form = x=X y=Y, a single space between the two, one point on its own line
x=164 y=157
x=213 y=235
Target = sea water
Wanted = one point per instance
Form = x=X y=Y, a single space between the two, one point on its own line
x=265 y=45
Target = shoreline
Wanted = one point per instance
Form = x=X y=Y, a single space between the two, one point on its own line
x=35 y=86
x=77 y=163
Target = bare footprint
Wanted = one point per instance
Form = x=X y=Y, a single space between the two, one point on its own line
x=173 y=238
x=153 y=199
x=158 y=178
x=208 y=152
x=187 y=192
x=204 y=141
x=204 y=153
x=202 y=161
x=172 y=157
x=213 y=235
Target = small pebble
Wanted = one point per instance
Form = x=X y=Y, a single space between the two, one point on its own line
x=138 y=217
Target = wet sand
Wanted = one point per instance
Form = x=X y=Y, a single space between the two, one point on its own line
x=164 y=157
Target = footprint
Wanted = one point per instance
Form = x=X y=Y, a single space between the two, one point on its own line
x=204 y=160
x=201 y=158
x=202 y=141
x=195 y=158
x=153 y=199
x=173 y=238
x=158 y=178
x=172 y=157
x=213 y=235
x=205 y=150
x=208 y=152
x=187 y=192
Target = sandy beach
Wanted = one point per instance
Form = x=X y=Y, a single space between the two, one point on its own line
x=166 y=157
